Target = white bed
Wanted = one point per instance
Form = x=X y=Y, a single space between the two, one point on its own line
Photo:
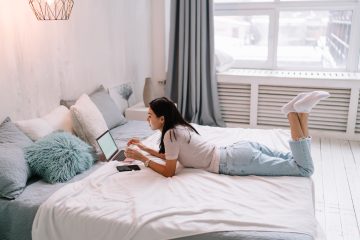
x=144 y=205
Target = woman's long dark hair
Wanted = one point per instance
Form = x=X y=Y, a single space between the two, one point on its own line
x=172 y=117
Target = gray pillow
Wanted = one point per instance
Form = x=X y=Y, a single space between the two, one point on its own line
x=14 y=170
x=111 y=113
x=9 y=133
x=69 y=103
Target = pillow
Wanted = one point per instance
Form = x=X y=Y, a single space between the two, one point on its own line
x=111 y=113
x=69 y=103
x=123 y=96
x=223 y=61
x=106 y=105
x=59 y=156
x=60 y=119
x=35 y=128
x=88 y=121
x=9 y=133
x=14 y=171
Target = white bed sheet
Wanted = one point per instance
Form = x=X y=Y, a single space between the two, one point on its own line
x=145 y=205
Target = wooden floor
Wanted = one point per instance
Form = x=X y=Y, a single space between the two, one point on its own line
x=337 y=187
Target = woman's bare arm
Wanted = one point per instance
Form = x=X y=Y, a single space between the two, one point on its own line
x=154 y=153
x=167 y=170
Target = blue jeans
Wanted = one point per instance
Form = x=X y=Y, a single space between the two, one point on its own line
x=251 y=158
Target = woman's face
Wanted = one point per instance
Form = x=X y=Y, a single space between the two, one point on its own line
x=154 y=121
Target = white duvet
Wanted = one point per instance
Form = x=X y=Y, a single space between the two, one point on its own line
x=145 y=205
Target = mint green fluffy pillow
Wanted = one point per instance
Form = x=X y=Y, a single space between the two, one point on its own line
x=59 y=156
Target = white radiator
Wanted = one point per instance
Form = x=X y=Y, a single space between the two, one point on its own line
x=330 y=114
x=253 y=98
x=235 y=102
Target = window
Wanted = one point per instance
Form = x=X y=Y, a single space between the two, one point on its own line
x=314 y=38
x=243 y=37
x=289 y=34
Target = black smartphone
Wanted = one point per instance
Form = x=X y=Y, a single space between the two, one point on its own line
x=128 y=168
x=121 y=156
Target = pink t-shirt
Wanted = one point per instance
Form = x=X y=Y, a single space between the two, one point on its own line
x=190 y=149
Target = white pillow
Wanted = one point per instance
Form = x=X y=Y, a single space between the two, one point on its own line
x=223 y=61
x=60 y=119
x=35 y=128
x=117 y=96
x=88 y=121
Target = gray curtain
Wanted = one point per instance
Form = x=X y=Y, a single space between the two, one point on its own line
x=191 y=80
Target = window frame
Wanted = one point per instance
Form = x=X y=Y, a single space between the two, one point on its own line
x=274 y=8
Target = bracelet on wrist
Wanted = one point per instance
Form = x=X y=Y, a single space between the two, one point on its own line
x=146 y=163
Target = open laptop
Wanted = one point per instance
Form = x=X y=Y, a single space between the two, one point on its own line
x=108 y=147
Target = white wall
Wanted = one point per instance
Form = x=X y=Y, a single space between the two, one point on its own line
x=159 y=45
x=104 y=42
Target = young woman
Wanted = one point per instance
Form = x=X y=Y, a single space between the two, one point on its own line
x=181 y=142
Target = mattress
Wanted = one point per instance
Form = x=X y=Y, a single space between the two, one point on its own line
x=17 y=215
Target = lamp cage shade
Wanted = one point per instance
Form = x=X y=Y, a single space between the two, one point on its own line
x=52 y=9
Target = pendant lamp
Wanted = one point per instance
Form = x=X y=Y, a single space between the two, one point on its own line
x=52 y=9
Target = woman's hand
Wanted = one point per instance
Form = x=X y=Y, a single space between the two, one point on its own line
x=136 y=141
x=134 y=154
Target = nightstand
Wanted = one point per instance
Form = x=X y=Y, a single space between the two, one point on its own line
x=137 y=112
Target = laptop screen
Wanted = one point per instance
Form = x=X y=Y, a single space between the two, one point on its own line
x=107 y=145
